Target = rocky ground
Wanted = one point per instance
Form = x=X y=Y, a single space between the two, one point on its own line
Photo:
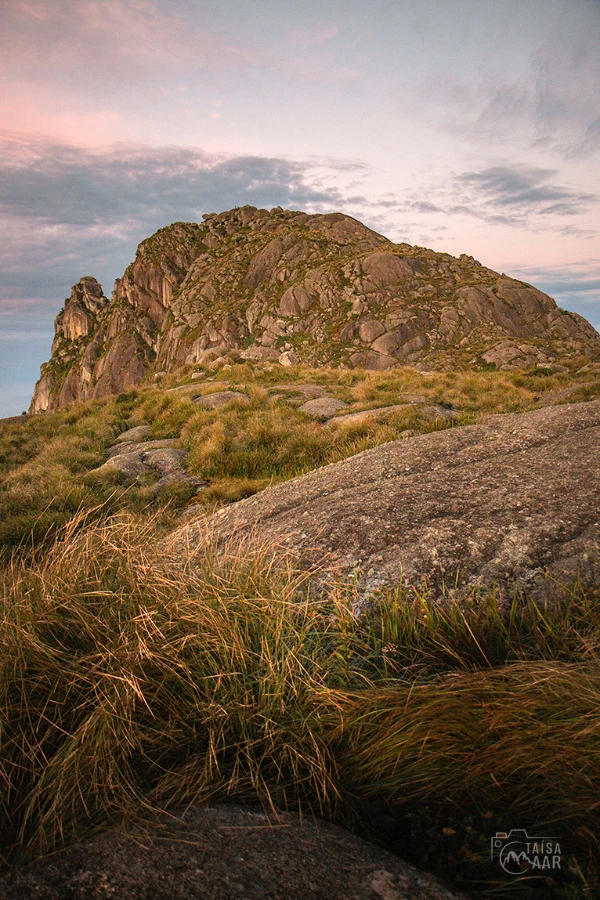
x=504 y=501
x=224 y=853
x=136 y=459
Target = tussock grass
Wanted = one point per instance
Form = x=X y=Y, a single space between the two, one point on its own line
x=128 y=679
x=131 y=680
x=46 y=461
x=273 y=440
x=43 y=466
x=269 y=440
x=527 y=733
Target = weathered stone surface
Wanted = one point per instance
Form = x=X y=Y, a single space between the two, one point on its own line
x=370 y=331
x=289 y=359
x=296 y=300
x=263 y=263
x=191 y=389
x=74 y=327
x=224 y=853
x=122 y=337
x=222 y=398
x=297 y=394
x=385 y=270
x=259 y=354
x=253 y=283
x=435 y=411
x=382 y=412
x=322 y=408
x=365 y=415
x=376 y=362
x=82 y=309
x=502 y=502
x=134 y=445
x=134 y=434
x=407 y=338
x=509 y=354
x=163 y=460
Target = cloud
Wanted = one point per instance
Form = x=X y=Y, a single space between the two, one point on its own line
x=522 y=191
x=23 y=336
x=63 y=56
x=574 y=231
x=565 y=90
x=109 y=38
x=66 y=211
x=503 y=195
x=577 y=277
x=61 y=185
x=550 y=105
x=11 y=307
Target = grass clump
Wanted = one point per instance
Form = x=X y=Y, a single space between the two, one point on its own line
x=47 y=462
x=273 y=440
x=127 y=679
x=135 y=678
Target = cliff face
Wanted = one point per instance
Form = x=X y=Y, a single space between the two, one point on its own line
x=117 y=343
x=321 y=289
x=76 y=325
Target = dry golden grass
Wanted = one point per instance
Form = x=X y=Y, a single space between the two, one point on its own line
x=131 y=679
x=45 y=461
x=526 y=733
x=128 y=678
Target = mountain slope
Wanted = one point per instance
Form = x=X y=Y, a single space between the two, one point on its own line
x=324 y=289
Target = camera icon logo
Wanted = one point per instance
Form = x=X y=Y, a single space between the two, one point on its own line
x=518 y=853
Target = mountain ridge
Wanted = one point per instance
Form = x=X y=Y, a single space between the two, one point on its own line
x=286 y=286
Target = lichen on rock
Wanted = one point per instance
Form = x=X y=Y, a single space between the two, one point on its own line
x=295 y=288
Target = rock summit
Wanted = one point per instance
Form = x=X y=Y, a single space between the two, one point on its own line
x=295 y=288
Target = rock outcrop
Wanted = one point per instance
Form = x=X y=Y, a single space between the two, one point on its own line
x=292 y=287
x=159 y=464
x=67 y=375
x=507 y=501
x=224 y=853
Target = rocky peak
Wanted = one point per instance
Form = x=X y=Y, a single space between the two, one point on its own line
x=80 y=313
x=286 y=285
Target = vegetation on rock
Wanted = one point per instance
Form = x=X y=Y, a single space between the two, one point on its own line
x=142 y=673
x=133 y=679
x=324 y=290
x=51 y=466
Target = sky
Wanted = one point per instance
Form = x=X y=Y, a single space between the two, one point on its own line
x=468 y=126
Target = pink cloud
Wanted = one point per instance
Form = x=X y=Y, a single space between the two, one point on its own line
x=111 y=37
x=34 y=108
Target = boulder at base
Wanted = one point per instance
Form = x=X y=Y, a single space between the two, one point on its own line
x=500 y=502
x=225 y=853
